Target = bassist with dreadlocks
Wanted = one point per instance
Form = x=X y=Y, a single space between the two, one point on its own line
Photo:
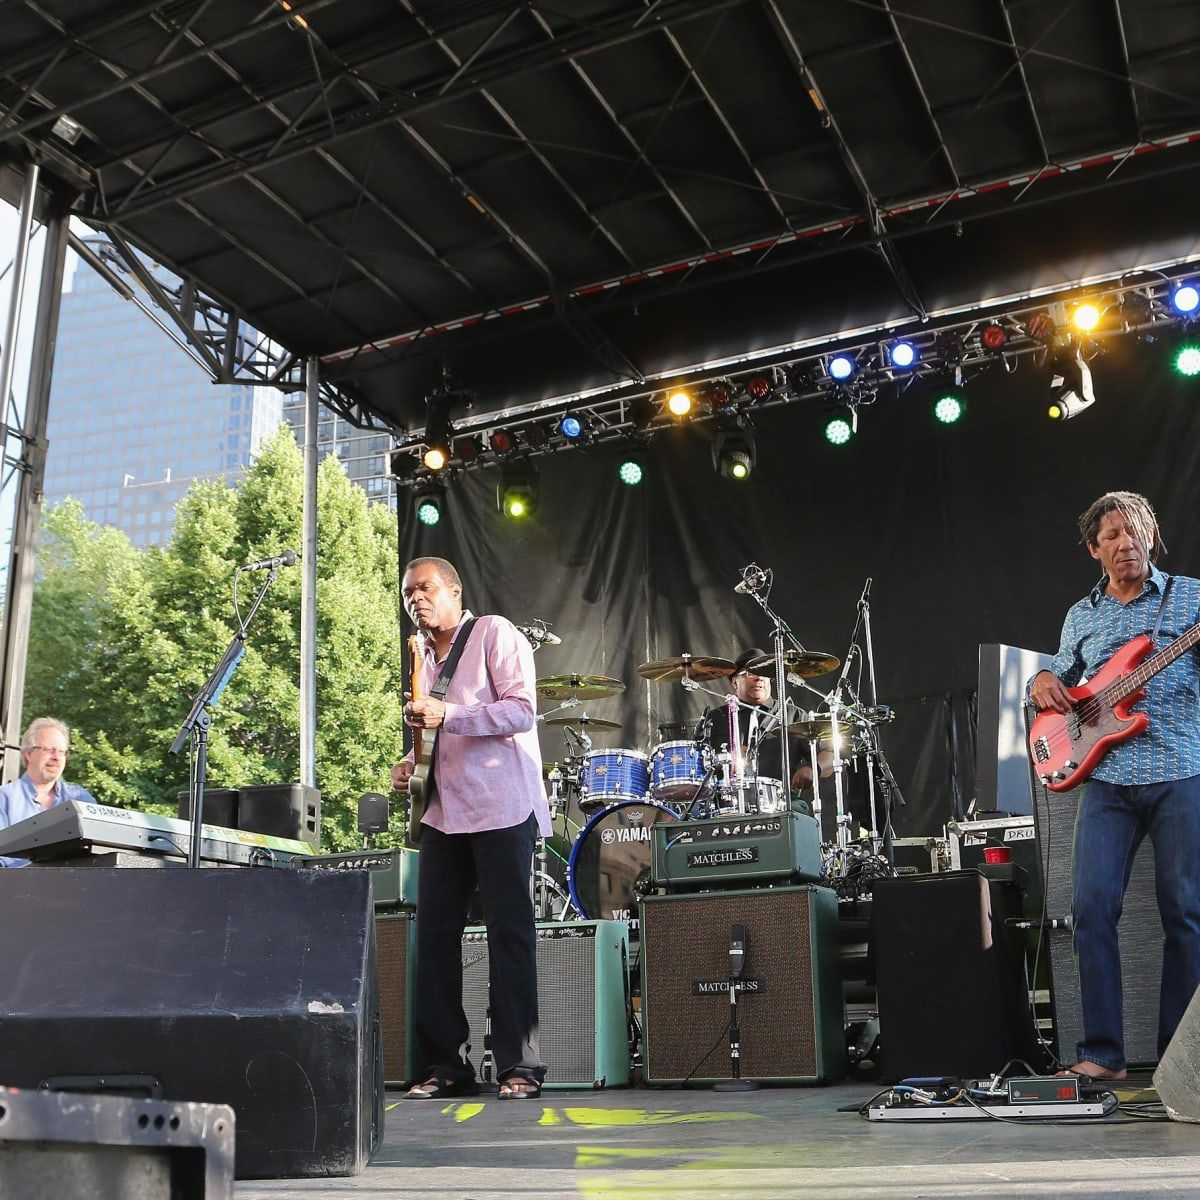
x=1120 y=716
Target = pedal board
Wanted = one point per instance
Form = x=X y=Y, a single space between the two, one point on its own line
x=1033 y=1098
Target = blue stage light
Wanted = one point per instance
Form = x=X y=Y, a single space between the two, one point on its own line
x=841 y=367
x=1185 y=298
x=902 y=355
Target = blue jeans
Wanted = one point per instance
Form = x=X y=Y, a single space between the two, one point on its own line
x=1109 y=827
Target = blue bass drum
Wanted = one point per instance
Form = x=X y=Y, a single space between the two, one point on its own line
x=610 y=775
x=609 y=867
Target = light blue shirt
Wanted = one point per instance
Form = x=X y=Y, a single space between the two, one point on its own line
x=18 y=801
x=1099 y=625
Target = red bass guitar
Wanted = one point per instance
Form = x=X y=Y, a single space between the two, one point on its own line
x=1065 y=747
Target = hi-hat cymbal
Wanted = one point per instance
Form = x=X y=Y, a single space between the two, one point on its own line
x=686 y=666
x=578 y=687
x=583 y=721
x=808 y=664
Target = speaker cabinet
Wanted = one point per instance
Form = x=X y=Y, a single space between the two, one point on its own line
x=583 y=1000
x=950 y=977
x=790 y=1002
x=289 y=810
x=395 y=936
x=1177 y=1077
x=76 y=1147
x=255 y=989
x=1140 y=935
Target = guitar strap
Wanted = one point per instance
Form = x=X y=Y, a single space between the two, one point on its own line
x=1162 y=608
x=438 y=691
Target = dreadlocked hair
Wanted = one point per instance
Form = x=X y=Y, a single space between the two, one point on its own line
x=1137 y=512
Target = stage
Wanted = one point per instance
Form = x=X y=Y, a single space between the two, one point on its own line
x=777 y=1142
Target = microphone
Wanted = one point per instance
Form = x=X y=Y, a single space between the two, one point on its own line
x=753 y=577
x=1066 y=922
x=737 y=949
x=540 y=636
x=286 y=559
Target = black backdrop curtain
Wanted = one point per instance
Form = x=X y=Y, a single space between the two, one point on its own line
x=968 y=532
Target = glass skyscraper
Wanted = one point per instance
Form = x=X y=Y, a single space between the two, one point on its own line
x=134 y=421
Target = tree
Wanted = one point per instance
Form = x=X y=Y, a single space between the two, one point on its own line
x=141 y=631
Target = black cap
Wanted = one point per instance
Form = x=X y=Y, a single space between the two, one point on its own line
x=747 y=656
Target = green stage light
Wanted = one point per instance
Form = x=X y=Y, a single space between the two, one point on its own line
x=517 y=492
x=631 y=472
x=1187 y=360
x=429 y=509
x=838 y=431
x=948 y=408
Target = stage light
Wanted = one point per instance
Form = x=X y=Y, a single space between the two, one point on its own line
x=679 y=402
x=401 y=464
x=1185 y=298
x=734 y=451
x=838 y=431
x=631 y=470
x=948 y=407
x=428 y=500
x=840 y=367
x=758 y=388
x=1187 y=360
x=436 y=457
x=467 y=449
x=948 y=346
x=517 y=491
x=1086 y=317
x=503 y=441
x=994 y=338
x=573 y=427
x=438 y=432
x=1041 y=327
x=718 y=396
x=537 y=435
x=642 y=411
x=1071 y=389
x=902 y=355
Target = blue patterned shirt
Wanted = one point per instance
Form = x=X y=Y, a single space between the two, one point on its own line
x=1099 y=625
x=18 y=800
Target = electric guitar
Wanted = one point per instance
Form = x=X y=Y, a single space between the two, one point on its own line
x=419 y=782
x=1065 y=747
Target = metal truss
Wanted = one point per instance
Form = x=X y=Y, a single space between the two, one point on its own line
x=212 y=333
x=950 y=351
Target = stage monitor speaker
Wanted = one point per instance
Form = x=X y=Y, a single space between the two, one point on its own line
x=1140 y=935
x=789 y=1006
x=58 y=1146
x=289 y=810
x=950 y=976
x=395 y=936
x=255 y=989
x=1177 y=1077
x=583 y=1000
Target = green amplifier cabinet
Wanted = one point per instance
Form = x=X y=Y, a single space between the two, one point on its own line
x=393 y=872
x=396 y=953
x=789 y=991
x=736 y=849
x=583 y=1000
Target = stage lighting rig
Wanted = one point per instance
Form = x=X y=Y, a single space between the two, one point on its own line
x=438 y=431
x=467 y=449
x=680 y=402
x=575 y=428
x=537 y=435
x=718 y=397
x=841 y=368
x=517 y=493
x=642 y=411
x=503 y=441
x=994 y=338
x=631 y=470
x=401 y=465
x=949 y=406
x=838 y=430
x=902 y=355
x=428 y=500
x=734 y=452
x=1071 y=389
x=759 y=388
x=1185 y=299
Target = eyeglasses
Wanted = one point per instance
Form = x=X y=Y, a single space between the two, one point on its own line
x=49 y=750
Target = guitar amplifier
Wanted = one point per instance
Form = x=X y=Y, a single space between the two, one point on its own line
x=789 y=1005
x=396 y=945
x=583 y=1000
x=970 y=839
x=393 y=872
x=736 y=849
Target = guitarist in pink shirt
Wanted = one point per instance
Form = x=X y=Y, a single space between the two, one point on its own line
x=1120 y=716
x=485 y=804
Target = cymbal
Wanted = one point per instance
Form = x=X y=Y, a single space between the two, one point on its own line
x=583 y=721
x=579 y=687
x=807 y=663
x=820 y=729
x=686 y=666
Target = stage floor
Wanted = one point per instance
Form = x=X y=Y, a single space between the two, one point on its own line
x=774 y=1143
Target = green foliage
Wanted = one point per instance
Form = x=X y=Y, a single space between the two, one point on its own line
x=121 y=639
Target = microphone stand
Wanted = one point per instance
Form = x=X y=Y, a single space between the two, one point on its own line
x=735 y=1082
x=198 y=720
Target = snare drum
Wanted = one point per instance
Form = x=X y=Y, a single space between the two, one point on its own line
x=754 y=795
x=678 y=769
x=609 y=866
x=610 y=775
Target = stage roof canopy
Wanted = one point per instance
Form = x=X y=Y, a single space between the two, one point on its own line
x=541 y=198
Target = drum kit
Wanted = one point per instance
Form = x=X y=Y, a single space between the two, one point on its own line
x=604 y=802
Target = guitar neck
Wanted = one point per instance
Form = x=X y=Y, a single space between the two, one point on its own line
x=414 y=684
x=1159 y=661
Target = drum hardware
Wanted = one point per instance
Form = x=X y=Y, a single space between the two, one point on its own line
x=575 y=686
x=685 y=666
x=584 y=722
x=550 y=902
x=538 y=634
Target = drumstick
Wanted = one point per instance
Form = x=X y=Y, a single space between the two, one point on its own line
x=414 y=683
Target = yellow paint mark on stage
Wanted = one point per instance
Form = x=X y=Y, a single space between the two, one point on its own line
x=550 y=1116
x=389 y=1107
x=465 y=1112
x=634 y=1157
x=615 y=1117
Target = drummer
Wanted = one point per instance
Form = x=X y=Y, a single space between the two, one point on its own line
x=754 y=693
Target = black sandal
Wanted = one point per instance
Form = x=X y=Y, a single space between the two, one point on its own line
x=519 y=1088
x=442 y=1088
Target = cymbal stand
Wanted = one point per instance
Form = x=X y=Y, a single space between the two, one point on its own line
x=539 y=884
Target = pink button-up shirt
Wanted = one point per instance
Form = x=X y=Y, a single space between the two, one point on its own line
x=488 y=773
